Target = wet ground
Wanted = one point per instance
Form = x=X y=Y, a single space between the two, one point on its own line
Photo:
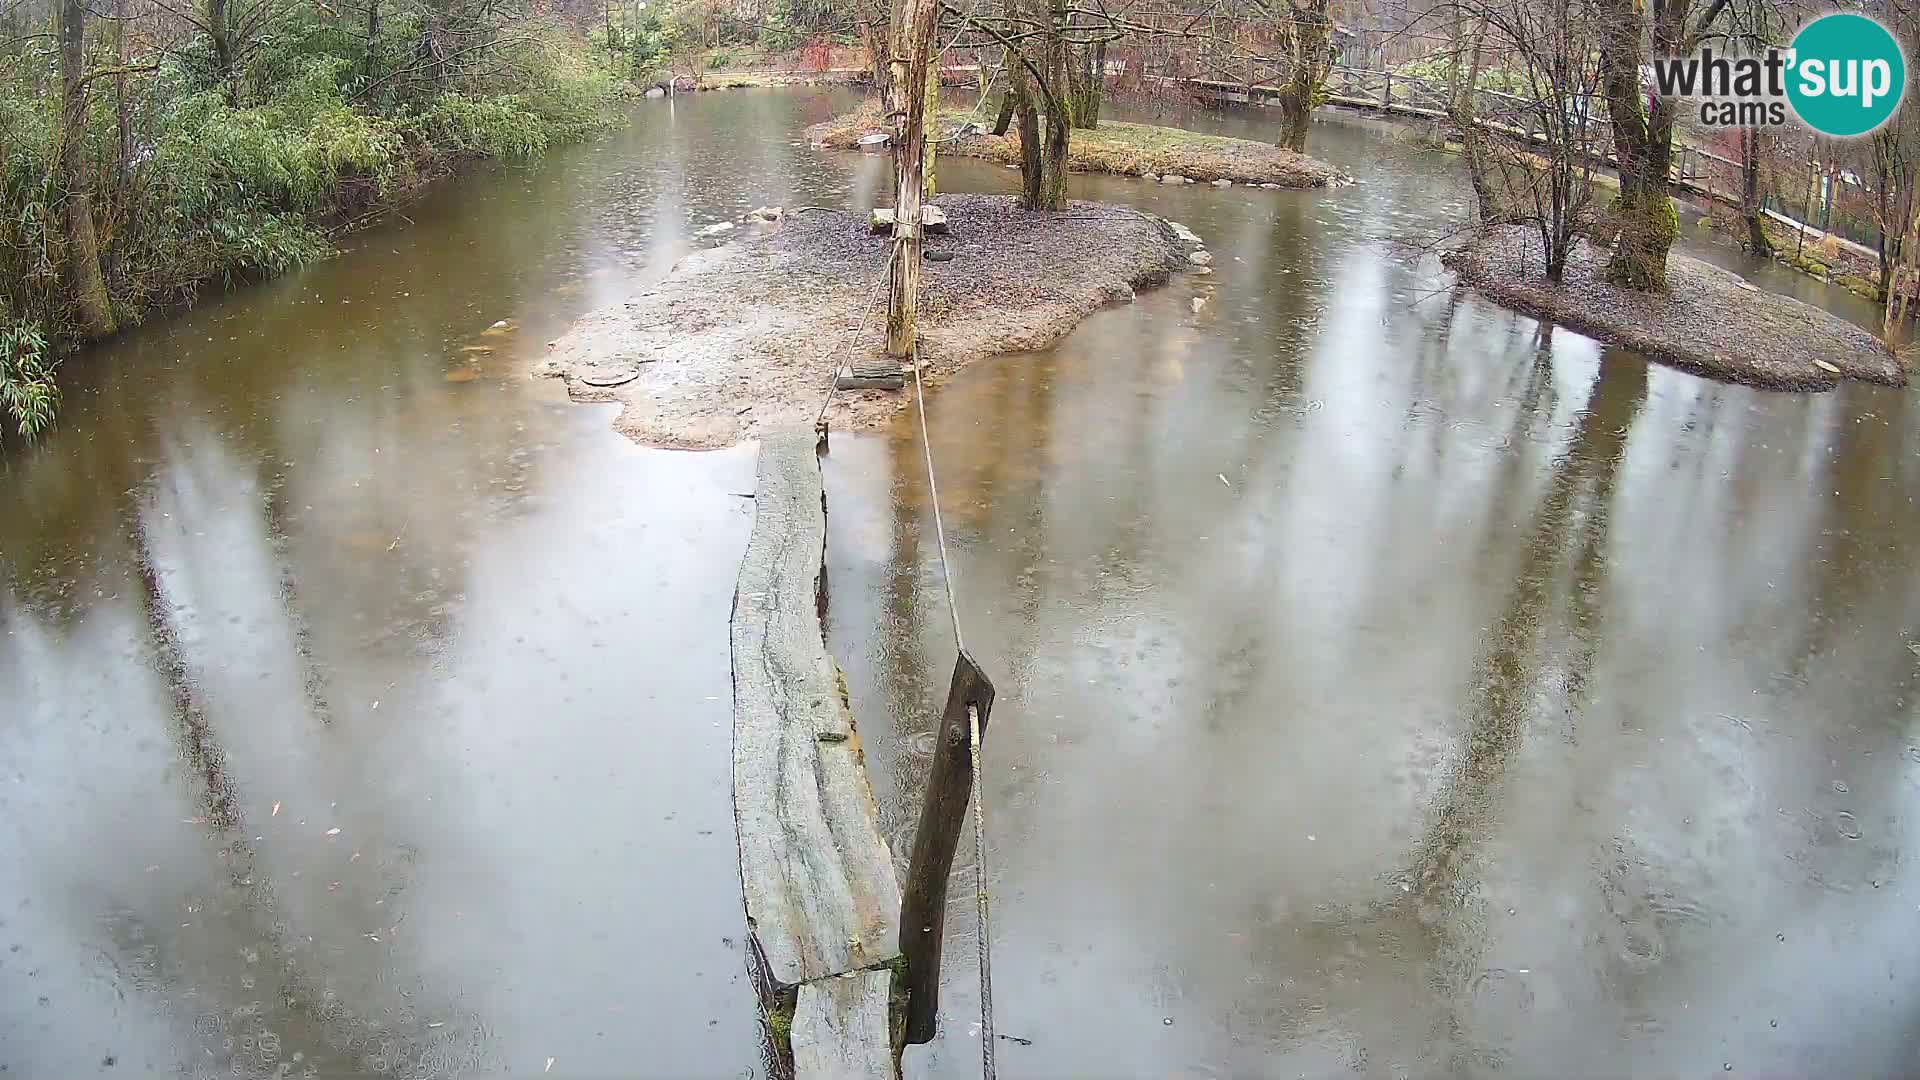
x=1388 y=688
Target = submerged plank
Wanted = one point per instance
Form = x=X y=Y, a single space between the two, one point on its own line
x=820 y=889
x=840 y=1029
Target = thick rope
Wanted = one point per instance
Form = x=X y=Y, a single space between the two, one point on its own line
x=985 y=937
x=833 y=370
x=985 y=940
x=933 y=494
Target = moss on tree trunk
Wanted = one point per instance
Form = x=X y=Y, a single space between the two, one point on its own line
x=1312 y=40
x=1648 y=227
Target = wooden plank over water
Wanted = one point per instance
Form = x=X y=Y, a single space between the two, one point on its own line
x=840 y=1029
x=821 y=894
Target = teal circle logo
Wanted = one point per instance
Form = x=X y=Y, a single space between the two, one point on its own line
x=1847 y=74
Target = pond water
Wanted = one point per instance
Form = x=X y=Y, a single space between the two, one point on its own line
x=1387 y=685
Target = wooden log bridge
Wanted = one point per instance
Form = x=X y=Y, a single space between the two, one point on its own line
x=823 y=904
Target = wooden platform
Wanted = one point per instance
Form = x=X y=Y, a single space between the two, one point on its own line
x=821 y=897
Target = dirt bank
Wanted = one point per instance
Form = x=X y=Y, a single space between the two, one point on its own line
x=744 y=337
x=1709 y=321
x=1113 y=147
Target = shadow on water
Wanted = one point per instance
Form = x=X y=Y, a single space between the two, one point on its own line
x=368 y=707
x=1393 y=685
x=1389 y=684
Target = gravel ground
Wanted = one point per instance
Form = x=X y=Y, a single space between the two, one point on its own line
x=1113 y=147
x=744 y=337
x=1709 y=321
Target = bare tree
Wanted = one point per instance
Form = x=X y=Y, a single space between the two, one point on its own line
x=1531 y=156
x=1643 y=128
x=89 y=285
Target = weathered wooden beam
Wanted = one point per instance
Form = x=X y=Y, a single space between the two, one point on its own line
x=923 y=908
x=821 y=894
x=840 y=1028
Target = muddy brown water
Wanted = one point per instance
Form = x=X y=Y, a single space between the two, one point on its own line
x=1388 y=687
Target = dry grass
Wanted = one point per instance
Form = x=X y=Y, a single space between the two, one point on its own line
x=1113 y=147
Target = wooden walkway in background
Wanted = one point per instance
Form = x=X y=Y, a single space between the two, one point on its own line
x=1424 y=99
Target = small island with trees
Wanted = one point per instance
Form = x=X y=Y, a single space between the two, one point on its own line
x=155 y=148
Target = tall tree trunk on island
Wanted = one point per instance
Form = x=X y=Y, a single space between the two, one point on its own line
x=1643 y=212
x=1757 y=241
x=1053 y=156
x=907 y=105
x=1312 y=56
x=1643 y=132
x=88 y=285
x=1027 y=114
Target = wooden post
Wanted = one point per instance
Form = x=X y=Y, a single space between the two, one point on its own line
x=923 y=901
x=908 y=68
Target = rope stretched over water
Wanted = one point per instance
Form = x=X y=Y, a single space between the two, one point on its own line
x=984 y=940
x=933 y=495
x=833 y=372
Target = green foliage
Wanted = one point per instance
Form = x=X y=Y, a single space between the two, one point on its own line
x=326 y=129
x=27 y=389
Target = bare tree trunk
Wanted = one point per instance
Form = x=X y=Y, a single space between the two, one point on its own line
x=89 y=286
x=1087 y=72
x=1906 y=280
x=1053 y=160
x=1643 y=148
x=908 y=80
x=931 y=112
x=220 y=33
x=373 y=37
x=1473 y=141
x=879 y=50
x=1086 y=111
x=1757 y=241
x=1020 y=85
x=1312 y=39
